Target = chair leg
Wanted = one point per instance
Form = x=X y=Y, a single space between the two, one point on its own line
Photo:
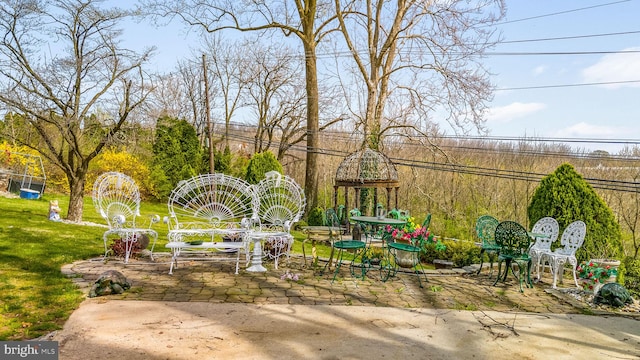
x=535 y=257
x=499 y=272
x=481 y=261
x=492 y=256
x=554 y=271
x=573 y=263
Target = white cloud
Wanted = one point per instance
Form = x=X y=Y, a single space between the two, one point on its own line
x=505 y=114
x=615 y=67
x=584 y=130
x=539 y=70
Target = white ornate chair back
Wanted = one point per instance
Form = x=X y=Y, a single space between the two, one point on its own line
x=282 y=202
x=548 y=226
x=117 y=199
x=572 y=238
x=223 y=200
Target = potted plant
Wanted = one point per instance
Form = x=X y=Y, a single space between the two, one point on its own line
x=411 y=234
x=593 y=274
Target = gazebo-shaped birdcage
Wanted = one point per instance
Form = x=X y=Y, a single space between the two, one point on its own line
x=366 y=168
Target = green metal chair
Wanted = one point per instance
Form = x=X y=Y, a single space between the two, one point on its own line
x=514 y=242
x=485 y=231
x=427 y=221
x=391 y=266
x=344 y=247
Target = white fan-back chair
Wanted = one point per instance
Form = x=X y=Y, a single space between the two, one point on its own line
x=117 y=199
x=282 y=203
x=549 y=227
x=571 y=240
x=208 y=205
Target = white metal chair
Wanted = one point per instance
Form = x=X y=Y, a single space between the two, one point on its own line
x=572 y=239
x=282 y=203
x=548 y=227
x=206 y=209
x=117 y=199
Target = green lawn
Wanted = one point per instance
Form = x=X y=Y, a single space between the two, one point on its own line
x=35 y=297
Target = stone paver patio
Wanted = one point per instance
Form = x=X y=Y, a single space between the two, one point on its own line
x=214 y=282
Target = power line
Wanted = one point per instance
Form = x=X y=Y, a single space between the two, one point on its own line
x=562 y=12
x=569 y=85
x=346 y=136
x=556 y=53
x=569 y=37
x=602 y=184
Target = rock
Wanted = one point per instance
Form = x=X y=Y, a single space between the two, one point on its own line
x=613 y=294
x=110 y=282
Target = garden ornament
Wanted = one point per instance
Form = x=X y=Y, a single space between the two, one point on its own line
x=110 y=282
x=54 y=210
x=613 y=294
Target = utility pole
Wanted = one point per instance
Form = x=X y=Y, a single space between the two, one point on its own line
x=207 y=115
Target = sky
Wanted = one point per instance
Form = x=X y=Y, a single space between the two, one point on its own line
x=565 y=70
x=555 y=101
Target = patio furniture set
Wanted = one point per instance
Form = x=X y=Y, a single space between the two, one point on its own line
x=357 y=251
x=514 y=245
x=209 y=214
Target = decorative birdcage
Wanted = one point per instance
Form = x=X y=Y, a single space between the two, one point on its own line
x=367 y=168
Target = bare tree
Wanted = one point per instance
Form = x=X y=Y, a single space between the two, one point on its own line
x=76 y=100
x=424 y=53
x=229 y=67
x=178 y=95
x=273 y=89
x=308 y=20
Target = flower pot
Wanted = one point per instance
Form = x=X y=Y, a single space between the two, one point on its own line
x=405 y=259
x=589 y=287
x=608 y=262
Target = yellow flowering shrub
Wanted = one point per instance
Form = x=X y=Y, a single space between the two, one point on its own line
x=13 y=158
x=124 y=162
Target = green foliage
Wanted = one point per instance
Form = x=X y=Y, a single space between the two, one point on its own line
x=162 y=186
x=461 y=253
x=366 y=200
x=177 y=150
x=316 y=217
x=630 y=271
x=567 y=197
x=222 y=161
x=260 y=164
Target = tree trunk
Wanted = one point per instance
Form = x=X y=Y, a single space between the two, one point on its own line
x=76 y=203
x=311 y=180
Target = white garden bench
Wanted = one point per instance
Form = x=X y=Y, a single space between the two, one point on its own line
x=205 y=209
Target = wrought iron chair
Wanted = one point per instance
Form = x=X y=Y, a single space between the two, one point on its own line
x=354 y=245
x=282 y=203
x=514 y=242
x=405 y=255
x=571 y=240
x=210 y=214
x=117 y=199
x=427 y=221
x=335 y=232
x=485 y=231
x=549 y=228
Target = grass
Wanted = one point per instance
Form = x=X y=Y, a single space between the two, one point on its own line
x=36 y=297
